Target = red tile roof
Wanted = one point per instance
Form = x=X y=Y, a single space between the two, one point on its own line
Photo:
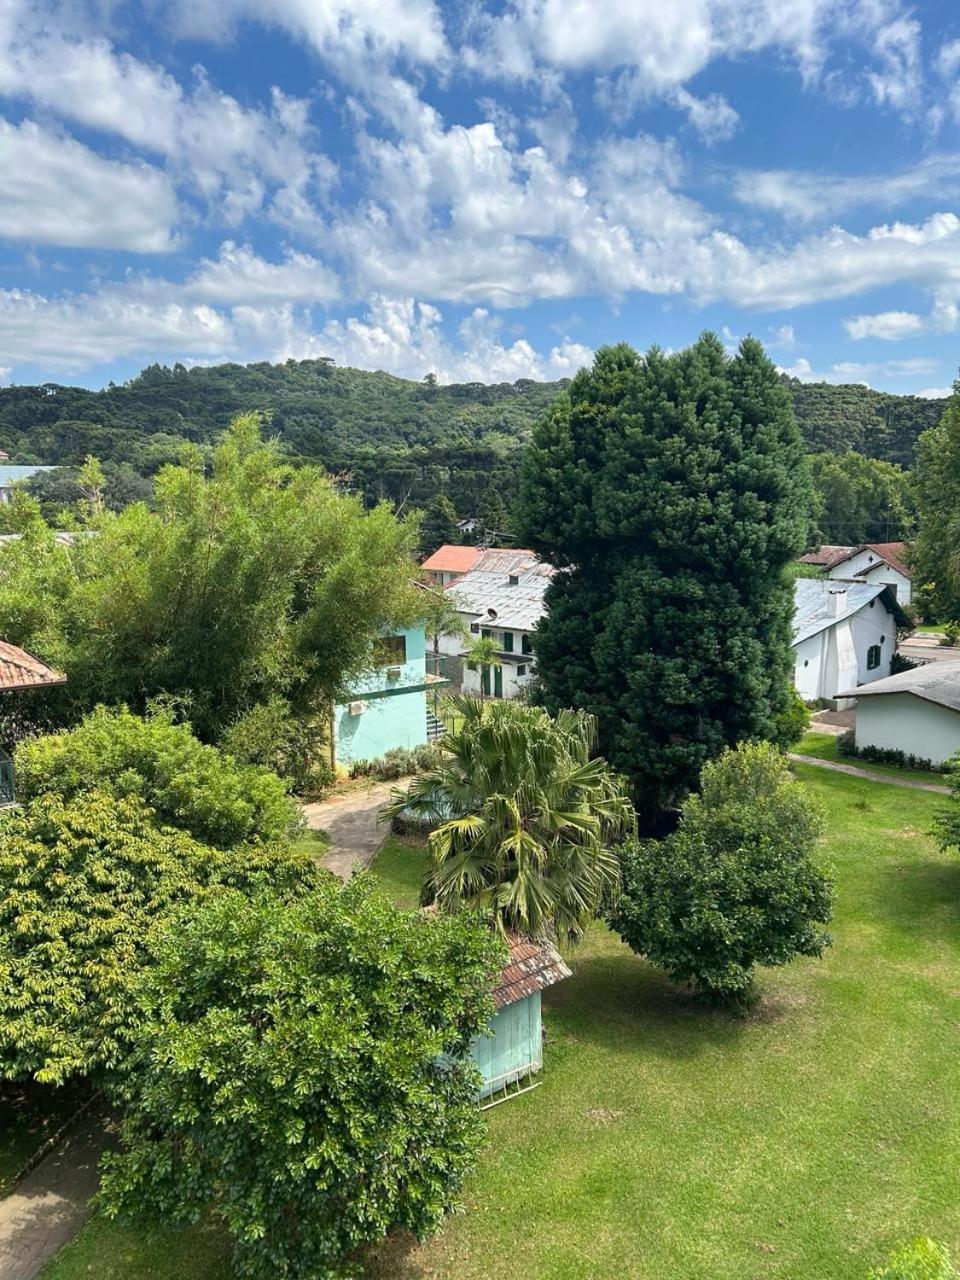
x=827 y=555
x=531 y=967
x=892 y=553
x=452 y=559
x=20 y=670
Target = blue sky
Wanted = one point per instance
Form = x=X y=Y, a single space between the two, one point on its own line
x=484 y=190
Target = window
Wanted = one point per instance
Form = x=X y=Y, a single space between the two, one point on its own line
x=392 y=651
x=508 y=642
x=522 y=669
x=486 y=633
x=873 y=657
x=806 y=662
x=474 y=628
x=526 y=643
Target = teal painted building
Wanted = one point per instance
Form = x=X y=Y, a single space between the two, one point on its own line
x=388 y=707
x=513 y=1050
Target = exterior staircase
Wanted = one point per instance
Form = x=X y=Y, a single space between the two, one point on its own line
x=435 y=727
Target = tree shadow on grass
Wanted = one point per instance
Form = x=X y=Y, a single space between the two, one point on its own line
x=918 y=897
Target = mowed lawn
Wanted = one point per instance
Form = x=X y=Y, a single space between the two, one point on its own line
x=669 y=1142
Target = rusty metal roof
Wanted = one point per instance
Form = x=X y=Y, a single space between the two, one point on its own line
x=531 y=967
x=21 y=670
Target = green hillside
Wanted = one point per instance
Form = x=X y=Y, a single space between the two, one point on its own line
x=396 y=438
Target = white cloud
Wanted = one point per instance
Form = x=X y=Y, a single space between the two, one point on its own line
x=54 y=190
x=712 y=117
x=898 y=82
x=890 y=326
x=935 y=393
x=809 y=196
x=866 y=372
x=238 y=275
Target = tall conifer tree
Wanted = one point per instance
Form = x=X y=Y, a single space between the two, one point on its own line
x=672 y=491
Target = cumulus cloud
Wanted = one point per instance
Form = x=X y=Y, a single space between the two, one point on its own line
x=890 y=326
x=238 y=275
x=864 y=372
x=54 y=190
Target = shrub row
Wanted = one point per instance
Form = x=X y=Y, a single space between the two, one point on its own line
x=847 y=746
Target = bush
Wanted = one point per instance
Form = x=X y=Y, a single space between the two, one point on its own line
x=951 y=634
x=188 y=784
x=735 y=885
x=847 y=746
x=303 y=1071
x=947 y=824
x=793 y=722
x=270 y=735
x=83 y=881
x=900 y=662
x=398 y=763
x=922 y=1259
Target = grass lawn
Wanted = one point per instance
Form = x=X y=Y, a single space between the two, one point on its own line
x=824 y=747
x=669 y=1142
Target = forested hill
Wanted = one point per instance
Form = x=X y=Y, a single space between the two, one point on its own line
x=399 y=439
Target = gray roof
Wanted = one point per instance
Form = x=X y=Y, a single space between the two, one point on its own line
x=493 y=599
x=10 y=475
x=937 y=682
x=811 y=603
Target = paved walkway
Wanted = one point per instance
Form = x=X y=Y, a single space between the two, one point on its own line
x=855 y=772
x=51 y=1204
x=352 y=823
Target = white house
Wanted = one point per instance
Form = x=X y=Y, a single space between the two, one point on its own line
x=917 y=712
x=868 y=562
x=11 y=476
x=844 y=635
x=501 y=600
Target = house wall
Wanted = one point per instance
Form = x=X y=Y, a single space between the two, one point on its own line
x=904 y=722
x=513 y=681
x=515 y=1048
x=882 y=573
x=396 y=709
x=836 y=657
x=893 y=578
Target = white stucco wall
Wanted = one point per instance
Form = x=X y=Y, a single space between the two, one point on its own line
x=836 y=657
x=903 y=722
x=807 y=661
x=893 y=578
x=872 y=624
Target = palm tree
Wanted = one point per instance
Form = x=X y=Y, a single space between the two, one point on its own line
x=482 y=654
x=525 y=819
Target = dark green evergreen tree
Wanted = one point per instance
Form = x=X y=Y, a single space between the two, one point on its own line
x=439 y=525
x=937 y=548
x=493 y=515
x=672 y=492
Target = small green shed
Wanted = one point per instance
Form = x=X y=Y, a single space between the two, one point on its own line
x=514 y=1050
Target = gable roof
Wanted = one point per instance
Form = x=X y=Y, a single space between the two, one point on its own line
x=493 y=597
x=891 y=553
x=531 y=967
x=452 y=559
x=811 y=603
x=21 y=670
x=937 y=682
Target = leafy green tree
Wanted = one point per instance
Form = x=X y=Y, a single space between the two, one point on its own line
x=302 y=1071
x=862 y=499
x=947 y=823
x=735 y=886
x=187 y=784
x=673 y=492
x=83 y=882
x=921 y=1259
x=439 y=525
x=525 y=818
x=493 y=514
x=937 y=546
x=250 y=580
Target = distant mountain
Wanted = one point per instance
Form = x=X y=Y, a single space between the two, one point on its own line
x=399 y=439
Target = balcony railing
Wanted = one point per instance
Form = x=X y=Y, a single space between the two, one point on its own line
x=6 y=780
x=438 y=668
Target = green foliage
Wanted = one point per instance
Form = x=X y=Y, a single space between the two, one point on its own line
x=82 y=883
x=735 y=885
x=302 y=1070
x=295 y=747
x=246 y=582
x=937 y=548
x=793 y=722
x=188 y=785
x=947 y=827
x=862 y=499
x=674 y=492
x=397 y=763
x=439 y=525
x=921 y=1259
x=838 y=418
x=847 y=746
x=524 y=818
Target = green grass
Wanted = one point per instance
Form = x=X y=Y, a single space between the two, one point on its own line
x=824 y=747
x=670 y=1142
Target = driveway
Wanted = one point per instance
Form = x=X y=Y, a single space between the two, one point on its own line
x=352 y=823
x=929 y=649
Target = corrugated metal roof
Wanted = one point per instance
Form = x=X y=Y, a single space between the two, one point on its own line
x=518 y=606
x=937 y=682
x=21 y=670
x=811 y=603
x=531 y=967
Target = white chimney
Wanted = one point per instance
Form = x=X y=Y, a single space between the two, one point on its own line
x=837 y=601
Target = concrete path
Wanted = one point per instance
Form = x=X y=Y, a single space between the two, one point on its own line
x=352 y=823
x=51 y=1204
x=856 y=772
